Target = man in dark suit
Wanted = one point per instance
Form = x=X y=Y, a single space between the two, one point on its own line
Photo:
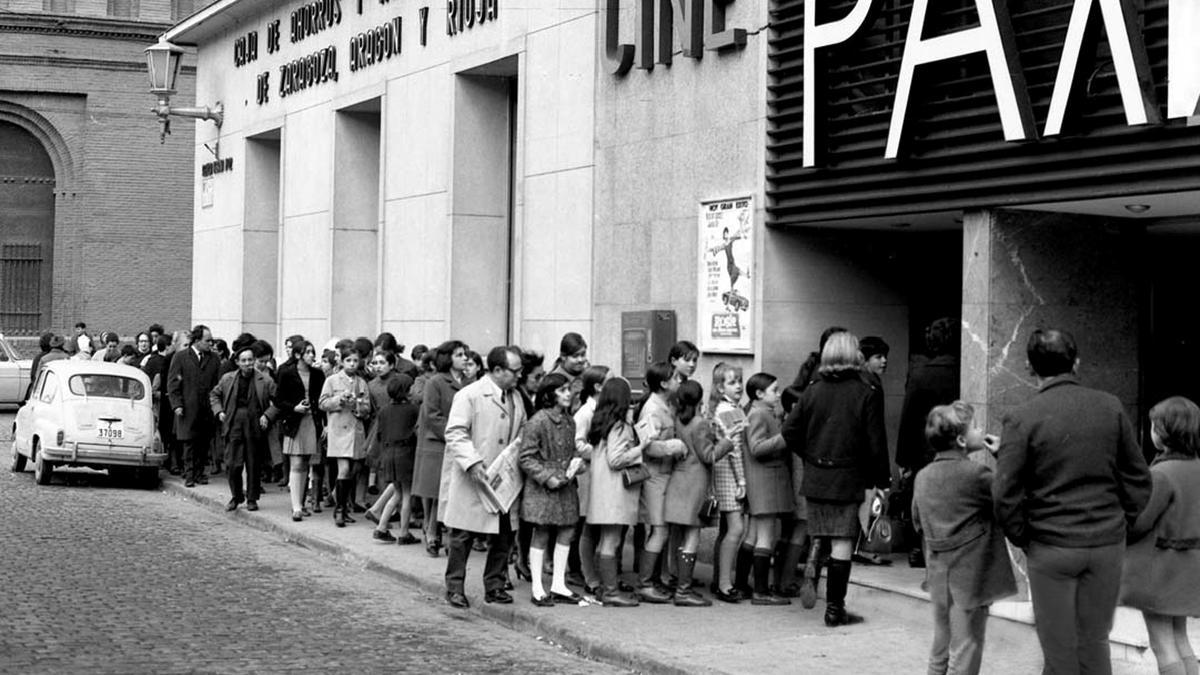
x=192 y=375
x=243 y=403
x=1070 y=479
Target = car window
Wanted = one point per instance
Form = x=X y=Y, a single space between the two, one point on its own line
x=49 y=387
x=107 y=386
x=36 y=392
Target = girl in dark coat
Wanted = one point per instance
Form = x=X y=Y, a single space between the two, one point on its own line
x=450 y=363
x=689 y=486
x=302 y=422
x=395 y=430
x=837 y=429
x=768 y=481
x=551 y=499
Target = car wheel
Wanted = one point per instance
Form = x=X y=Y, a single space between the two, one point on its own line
x=18 y=460
x=41 y=468
x=149 y=478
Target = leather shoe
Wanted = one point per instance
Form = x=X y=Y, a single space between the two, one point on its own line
x=457 y=600
x=544 y=601
x=498 y=597
x=732 y=597
x=251 y=506
x=189 y=483
x=383 y=536
x=563 y=599
x=233 y=504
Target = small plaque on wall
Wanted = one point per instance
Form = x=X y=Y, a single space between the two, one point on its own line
x=726 y=258
x=206 y=193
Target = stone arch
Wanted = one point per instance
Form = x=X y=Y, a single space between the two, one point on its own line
x=43 y=130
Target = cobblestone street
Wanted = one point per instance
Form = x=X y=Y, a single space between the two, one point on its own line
x=102 y=578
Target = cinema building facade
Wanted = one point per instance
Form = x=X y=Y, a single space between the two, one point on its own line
x=741 y=174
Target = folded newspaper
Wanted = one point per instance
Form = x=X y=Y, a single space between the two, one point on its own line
x=504 y=480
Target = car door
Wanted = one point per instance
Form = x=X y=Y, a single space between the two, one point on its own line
x=11 y=386
x=24 y=421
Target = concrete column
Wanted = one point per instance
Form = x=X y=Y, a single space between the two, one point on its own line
x=1026 y=269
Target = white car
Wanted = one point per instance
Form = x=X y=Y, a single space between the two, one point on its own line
x=14 y=374
x=92 y=414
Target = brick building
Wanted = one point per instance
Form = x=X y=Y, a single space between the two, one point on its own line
x=94 y=212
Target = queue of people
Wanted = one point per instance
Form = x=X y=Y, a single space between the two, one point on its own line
x=601 y=467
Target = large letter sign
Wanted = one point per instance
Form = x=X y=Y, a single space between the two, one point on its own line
x=994 y=37
x=1183 y=59
x=1129 y=60
x=816 y=37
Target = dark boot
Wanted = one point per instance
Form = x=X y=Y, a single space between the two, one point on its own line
x=743 y=565
x=812 y=575
x=649 y=591
x=835 y=595
x=685 y=595
x=317 y=497
x=339 y=509
x=762 y=594
x=610 y=596
x=785 y=570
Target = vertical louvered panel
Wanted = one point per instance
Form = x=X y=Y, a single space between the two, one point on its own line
x=20 y=288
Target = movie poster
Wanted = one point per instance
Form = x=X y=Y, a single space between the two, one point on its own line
x=726 y=288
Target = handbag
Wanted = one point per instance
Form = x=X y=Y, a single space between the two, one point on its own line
x=709 y=510
x=634 y=475
x=884 y=533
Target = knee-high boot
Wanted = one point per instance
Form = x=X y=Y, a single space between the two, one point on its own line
x=835 y=595
x=610 y=594
x=340 y=498
x=685 y=596
x=649 y=591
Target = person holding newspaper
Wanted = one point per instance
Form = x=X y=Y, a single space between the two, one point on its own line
x=484 y=422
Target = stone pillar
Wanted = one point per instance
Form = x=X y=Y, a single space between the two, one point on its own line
x=1029 y=269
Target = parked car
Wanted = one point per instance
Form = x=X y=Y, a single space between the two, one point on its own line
x=14 y=374
x=92 y=414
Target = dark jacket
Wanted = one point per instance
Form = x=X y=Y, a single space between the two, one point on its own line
x=967 y=561
x=837 y=429
x=1069 y=472
x=189 y=381
x=931 y=382
x=804 y=377
x=290 y=391
x=261 y=401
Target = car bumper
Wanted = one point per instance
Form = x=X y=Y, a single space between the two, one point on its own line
x=108 y=455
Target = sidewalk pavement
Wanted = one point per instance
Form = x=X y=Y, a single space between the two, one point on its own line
x=665 y=639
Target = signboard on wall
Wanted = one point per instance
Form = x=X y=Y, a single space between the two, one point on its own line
x=726 y=258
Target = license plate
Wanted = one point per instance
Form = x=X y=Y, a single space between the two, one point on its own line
x=113 y=432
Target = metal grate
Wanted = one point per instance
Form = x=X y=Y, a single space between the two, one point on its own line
x=955 y=154
x=21 y=288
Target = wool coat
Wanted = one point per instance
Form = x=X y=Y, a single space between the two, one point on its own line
x=483 y=421
x=222 y=399
x=931 y=382
x=768 y=476
x=1069 y=472
x=967 y=563
x=190 y=379
x=837 y=429
x=431 y=434
x=547 y=447
x=1162 y=566
x=611 y=503
x=347 y=435
x=291 y=391
x=691 y=479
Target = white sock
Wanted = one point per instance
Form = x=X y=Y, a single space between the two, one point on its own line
x=536 y=556
x=559 y=583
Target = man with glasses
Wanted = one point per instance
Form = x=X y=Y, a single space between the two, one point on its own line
x=485 y=418
x=192 y=376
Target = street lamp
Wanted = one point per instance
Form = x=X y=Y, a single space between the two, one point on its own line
x=162 y=60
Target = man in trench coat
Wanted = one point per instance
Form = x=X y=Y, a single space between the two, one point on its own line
x=485 y=417
x=190 y=379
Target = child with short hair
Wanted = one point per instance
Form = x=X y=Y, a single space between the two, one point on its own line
x=967 y=562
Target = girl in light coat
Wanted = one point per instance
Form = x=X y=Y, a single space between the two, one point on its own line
x=346 y=401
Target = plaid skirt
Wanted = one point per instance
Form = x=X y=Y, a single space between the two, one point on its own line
x=832 y=519
x=724 y=482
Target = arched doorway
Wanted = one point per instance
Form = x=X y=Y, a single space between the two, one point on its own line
x=26 y=231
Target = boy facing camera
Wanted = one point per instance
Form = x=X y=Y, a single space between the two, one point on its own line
x=967 y=562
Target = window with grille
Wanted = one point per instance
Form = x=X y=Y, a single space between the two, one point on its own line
x=21 y=288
